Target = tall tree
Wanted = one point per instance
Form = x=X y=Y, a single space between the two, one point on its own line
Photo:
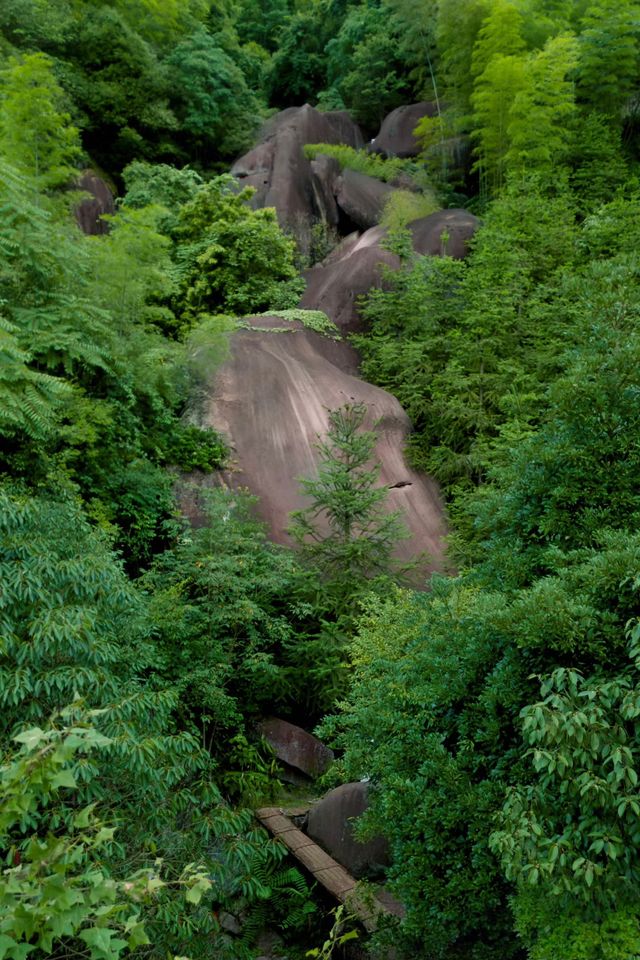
x=609 y=56
x=540 y=118
x=499 y=35
x=498 y=67
x=36 y=134
x=457 y=27
x=214 y=104
x=492 y=100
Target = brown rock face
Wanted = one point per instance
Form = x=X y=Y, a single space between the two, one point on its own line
x=325 y=171
x=357 y=265
x=272 y=396
x=361 y=197
x=89 y=211
x=296 y=747
x=279 y=170
x=396 y=138
x=444 y=233
x=271 y=400
x=330 y=825
x=335 y=285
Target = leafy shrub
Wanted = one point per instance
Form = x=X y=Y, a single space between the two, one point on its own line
x=75 y=626
x=195 y=448
x=403 y=206
x=372 y=164
x=231 y=258
x=220 y=605
x=58 y=890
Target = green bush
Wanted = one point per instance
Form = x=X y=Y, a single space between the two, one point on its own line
x=372 y=164
x=195 y=448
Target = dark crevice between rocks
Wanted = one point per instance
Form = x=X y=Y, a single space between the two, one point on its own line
x=346 y=226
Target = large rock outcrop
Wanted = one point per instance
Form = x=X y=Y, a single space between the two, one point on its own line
x=335 y=285
x=325 y=173
x=396 y=138
x=271 y=399
x=357 y=265
x=279 y=170
x=444 y=233
x=272 y=396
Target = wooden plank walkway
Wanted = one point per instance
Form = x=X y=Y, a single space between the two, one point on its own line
x=327 y=871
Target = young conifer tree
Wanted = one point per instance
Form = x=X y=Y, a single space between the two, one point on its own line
x=346 y=532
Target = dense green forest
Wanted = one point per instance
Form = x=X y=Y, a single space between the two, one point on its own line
x=496 y=712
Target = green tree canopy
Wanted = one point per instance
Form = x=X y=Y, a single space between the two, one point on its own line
x=36 y=134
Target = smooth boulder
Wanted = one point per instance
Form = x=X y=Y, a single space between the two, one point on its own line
x=361 y=198
x=358 y=264
x=444 y=233
x=336 y=284
x=331 y=825
x=295 y=747
x=325 y=171
x=271 y=400
x=396 y=138
x=280 y=172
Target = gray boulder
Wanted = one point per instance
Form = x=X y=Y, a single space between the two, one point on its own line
x=331 y=823
x=396 y=138
x=361 y=198
x=357 y=264
x=280 y=172
x=325 y=171
x=444 y=233
x=296 y=747
x=336 y=284
x=254 y=170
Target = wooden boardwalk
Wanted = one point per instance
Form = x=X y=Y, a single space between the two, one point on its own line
x=327 y=871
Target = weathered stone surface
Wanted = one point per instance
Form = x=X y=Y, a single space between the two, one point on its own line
x=270 y=399
x=356 y=266
x=259 y=160
x=272 y=396
x=295 y=746
x=444 y=233
x=254 y=170
x=330 y=825
x=325 y=171
x=101 y=201
x=290 y=190
x=229 y=923
x=362 y=198
x=342 y=249
x=396 y=138
x=335 y=285
x=343 y=128
x=278 y=168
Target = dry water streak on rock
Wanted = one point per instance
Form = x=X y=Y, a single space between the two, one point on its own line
x=272 y=395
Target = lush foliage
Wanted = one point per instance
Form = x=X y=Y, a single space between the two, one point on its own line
x=57 y=893
x=230 y=258
x=372 y=164
x=495 y=714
